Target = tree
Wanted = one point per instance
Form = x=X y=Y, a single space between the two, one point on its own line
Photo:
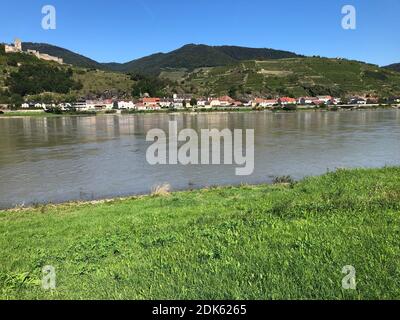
x=232 y=92
x=16 y=100
x=193 y=102
x=150 y=85
x=344 y=100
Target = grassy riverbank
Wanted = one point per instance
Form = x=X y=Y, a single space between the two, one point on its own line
x=247 y=242
x=44 y=114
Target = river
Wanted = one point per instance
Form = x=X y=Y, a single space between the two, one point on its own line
x=57 y=159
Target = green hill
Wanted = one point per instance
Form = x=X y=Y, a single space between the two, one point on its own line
x=294 y=76
x=23 y=75
x=394 y=67
x=189 y=57
x=194 y=56
x=197 y=69
x=68 y=56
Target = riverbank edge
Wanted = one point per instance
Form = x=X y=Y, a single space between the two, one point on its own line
x=285 y=182
x=35 y=114
x=165 y=191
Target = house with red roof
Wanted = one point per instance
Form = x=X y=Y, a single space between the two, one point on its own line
x=223 y=101
x=151 y=102
x=287 y=100
x=264 y=102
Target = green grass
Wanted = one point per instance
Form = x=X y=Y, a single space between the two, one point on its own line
x=245 y=242
x=45 y=114
x=27 y=114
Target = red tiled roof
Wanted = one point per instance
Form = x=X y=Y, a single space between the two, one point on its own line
x=151 y=100
x=287 y=99
x=226 y=98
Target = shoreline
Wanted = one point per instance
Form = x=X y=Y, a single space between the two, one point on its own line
x=138 y=196
x=33 y=113
x=284 y=181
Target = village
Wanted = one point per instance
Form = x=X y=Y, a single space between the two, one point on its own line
x=189 y=102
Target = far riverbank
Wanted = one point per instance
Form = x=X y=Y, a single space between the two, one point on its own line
x=42 y=113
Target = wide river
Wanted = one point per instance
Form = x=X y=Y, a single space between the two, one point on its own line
x=58 y=159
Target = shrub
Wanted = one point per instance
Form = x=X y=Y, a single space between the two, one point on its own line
x=161 y=190
x=290 y=107
x=283 y=180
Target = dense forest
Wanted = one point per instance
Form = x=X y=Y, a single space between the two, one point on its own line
x=39 y=78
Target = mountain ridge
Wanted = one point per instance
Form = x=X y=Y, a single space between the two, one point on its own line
x=155 y=63
x=189 y=56
x=68 y=56
x=394 y=67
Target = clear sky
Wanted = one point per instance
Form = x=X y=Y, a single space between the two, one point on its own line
x=121 y=30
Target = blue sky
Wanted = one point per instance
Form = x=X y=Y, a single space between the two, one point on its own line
x=121 y=30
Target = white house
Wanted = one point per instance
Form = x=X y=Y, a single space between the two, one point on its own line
x=215 y=103
x=308 y=100
x=165 y=103
x=65 y=106
x=99 y=105
x=178 y=105
x=80 y=106
x=140 y=106
x=324 y=99
x=126 y=105
x=265 y=103
x=181 y=98
x=40 y=105
x=202 y=102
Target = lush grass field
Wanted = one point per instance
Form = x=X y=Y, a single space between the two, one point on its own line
x=247 y=242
